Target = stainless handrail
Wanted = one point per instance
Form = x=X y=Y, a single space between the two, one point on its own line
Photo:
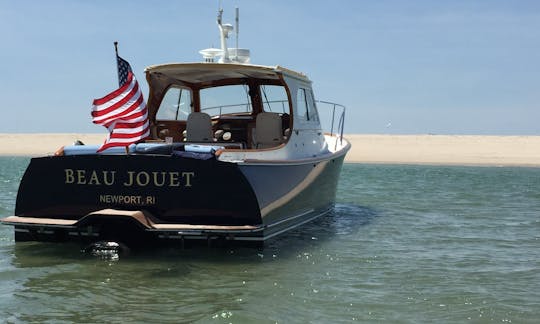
x=341 y=122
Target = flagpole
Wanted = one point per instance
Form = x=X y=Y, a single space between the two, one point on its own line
x=119 y=84
x=117 y=66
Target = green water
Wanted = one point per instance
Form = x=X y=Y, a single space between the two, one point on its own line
x=405 y=244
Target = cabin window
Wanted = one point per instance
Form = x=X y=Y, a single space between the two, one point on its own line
x=274 y=99
x=306 y=105
x=230 y=99
x=176 y=104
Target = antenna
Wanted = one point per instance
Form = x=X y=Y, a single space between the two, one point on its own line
x=220 y=13
x=237 y=20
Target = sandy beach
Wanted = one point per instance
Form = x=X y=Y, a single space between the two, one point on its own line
x=446 y=149
x=399 y=149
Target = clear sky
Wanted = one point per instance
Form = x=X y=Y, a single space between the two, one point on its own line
x=400 y=67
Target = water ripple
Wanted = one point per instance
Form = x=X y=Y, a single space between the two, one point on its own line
x=403 y=244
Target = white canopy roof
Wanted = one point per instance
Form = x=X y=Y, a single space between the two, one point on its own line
x=207 y=72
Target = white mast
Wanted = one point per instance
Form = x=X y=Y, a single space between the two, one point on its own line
x=239 y=55
x=224 y=30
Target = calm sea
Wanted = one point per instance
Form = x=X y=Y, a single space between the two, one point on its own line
x=405 y=244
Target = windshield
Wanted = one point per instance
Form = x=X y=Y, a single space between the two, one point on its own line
x=176 y=104
x=229 y=99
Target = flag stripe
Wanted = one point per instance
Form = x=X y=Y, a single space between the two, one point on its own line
x=113 y=139
x=121 y=112
x=115 y=93
x=122 y=125
x=115 y=142
x=117 y=135
x=117 y=102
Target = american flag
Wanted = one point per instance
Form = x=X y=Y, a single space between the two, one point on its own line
x=123 y=112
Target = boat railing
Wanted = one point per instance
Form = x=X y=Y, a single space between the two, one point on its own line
x=336 y=124
x=331 y=111
x=270 y=105
x=243 y=107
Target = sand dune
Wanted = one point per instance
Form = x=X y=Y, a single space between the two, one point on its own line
x=410 y=149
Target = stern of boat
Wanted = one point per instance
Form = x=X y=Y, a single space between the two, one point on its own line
x=136 y=198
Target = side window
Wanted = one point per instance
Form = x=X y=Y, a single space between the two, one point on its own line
x=306 y=105
x=274 y=99
x=302 y=105
x=312 y=110
x=176 y=104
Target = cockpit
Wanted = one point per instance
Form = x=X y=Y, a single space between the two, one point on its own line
x=247 y=112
